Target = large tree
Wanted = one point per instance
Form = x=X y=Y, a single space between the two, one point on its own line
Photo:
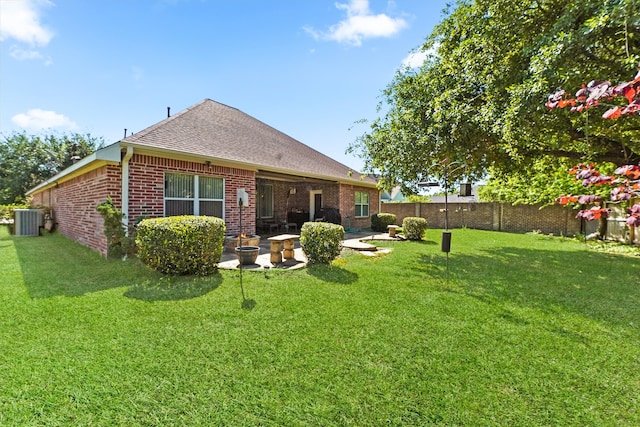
x=479 y=98
x=25 y=161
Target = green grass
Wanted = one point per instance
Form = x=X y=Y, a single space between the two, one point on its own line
x=527 y=330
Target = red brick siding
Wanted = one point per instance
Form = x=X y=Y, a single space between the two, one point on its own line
x=146 y=189
x=74 y=205
x=348 y=206
x=337 y=196
x=74 y=202
x=284 y=202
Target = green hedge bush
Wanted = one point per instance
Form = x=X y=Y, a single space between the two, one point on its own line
x=321 y=241
x=181 y=244
x=380 y=221
x=6 y=211
x=414 y=227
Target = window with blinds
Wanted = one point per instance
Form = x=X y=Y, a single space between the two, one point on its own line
x=362 y=204
x=193 y=195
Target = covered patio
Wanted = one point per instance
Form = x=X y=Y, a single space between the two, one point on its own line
x=285 y=202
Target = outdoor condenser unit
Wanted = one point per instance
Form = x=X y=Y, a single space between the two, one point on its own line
x=28 y=222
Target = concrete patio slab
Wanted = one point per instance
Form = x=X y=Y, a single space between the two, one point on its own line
x=357 y=241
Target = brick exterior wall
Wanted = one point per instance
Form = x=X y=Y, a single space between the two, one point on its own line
x=492 y=216
x=348 y=206
x=337 y=196
x=74 y=205
x=146 y=189
x=74 y=202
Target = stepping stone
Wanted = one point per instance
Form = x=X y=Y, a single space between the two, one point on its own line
x=357 y=245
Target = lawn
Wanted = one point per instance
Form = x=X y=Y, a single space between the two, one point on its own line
x=526 y=330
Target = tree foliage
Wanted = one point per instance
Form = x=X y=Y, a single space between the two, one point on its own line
x=27 y=160
x=478 y=100
x=622 y=186
x=547 y=178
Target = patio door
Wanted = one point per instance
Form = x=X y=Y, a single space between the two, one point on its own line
x=315 y=204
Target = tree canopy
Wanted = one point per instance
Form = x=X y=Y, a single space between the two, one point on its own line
x=479 y=99
x=26 y=161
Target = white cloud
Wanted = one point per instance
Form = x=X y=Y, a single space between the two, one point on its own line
x=359 y=24
x=20 y=20
x=43 y=119
x=27 y=54
x=416 y=59
x=21 y=54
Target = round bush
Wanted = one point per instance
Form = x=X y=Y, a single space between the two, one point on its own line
x=380 y=221
x=181 y=244
x=414 y=227
x=321 y=242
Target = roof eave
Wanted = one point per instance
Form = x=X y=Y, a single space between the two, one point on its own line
x=106 y=155
x=181 y=155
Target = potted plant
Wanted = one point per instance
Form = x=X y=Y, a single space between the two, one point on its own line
x=247 y=255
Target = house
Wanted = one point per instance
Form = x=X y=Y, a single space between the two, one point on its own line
x=395 y=195
x=194 y=162
x=472 y=196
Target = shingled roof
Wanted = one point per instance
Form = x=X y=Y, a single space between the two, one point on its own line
x=218 y=132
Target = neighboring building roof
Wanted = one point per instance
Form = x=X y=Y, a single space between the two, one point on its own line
x=395 y=195
x=218 y=132
x=455 y=198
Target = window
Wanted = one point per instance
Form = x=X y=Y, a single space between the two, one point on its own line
x=193 y=195
x=362 y=204
x=265 y=201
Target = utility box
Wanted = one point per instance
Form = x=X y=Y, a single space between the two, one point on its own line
x=465 y=189
x=27 y=222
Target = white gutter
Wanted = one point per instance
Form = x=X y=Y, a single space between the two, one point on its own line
x=125 y=187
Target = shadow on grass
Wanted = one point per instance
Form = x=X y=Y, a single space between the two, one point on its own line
x=426 y=242
x=52 y=265
x=174 y=288
x=332 y=273
x=599 y=286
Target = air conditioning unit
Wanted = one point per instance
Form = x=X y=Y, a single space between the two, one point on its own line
x=27 y=222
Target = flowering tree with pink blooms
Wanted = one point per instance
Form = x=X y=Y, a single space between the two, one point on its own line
x=624 y=183
x=597 y=93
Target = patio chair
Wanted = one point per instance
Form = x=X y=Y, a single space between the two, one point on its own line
x=267 y=226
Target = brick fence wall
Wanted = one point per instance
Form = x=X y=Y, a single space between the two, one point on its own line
x=492 y=216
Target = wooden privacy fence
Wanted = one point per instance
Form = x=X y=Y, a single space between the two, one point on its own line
x=554 y=219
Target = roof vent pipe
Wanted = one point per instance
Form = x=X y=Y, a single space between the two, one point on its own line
x=125 y=132
x=168 y=112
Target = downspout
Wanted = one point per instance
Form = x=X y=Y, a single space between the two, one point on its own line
x=125 y=188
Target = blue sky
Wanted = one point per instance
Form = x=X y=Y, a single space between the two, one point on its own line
x=309 y=68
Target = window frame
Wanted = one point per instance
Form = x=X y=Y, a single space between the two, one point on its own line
x=361 y=205
x=261 y=203
x=194 y=198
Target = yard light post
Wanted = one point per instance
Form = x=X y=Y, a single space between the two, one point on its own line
x=446 y=234
x=445 y=172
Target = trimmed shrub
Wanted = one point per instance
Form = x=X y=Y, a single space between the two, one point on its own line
x=321 y=242
x=181 y=244
x=380 y=221
x=414 y=227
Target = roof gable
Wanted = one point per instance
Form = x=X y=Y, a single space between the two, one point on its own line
x=217 y=131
